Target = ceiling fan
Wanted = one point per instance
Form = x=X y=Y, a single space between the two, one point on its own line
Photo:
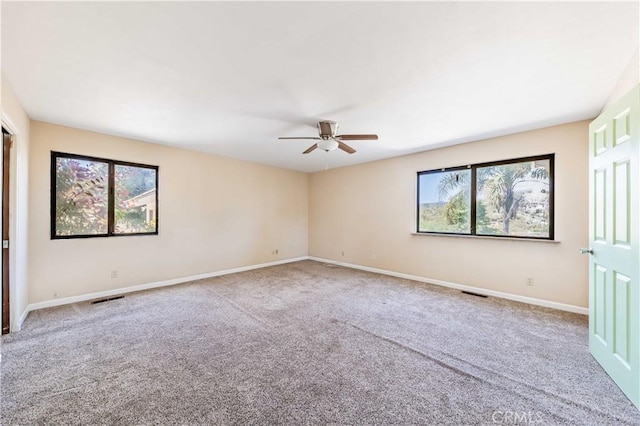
x=329 y=140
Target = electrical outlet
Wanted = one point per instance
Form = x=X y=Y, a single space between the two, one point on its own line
x=342 y=253
x=114 y=274
x=277 y=251
x=529 y=281
x=373 y=257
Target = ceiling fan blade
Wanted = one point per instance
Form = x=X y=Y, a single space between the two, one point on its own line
x=301 y=137
x=311 y=148
x=346 y=148
x=358 y=137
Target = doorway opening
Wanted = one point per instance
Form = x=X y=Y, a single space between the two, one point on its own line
x=6 y=160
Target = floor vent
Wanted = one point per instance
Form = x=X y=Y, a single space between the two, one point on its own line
x=475 y=294
x=107 y=299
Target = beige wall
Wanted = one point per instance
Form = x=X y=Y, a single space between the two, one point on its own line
x=17 y=122
x=369 y=210
x=214 y=214
x=217 y=214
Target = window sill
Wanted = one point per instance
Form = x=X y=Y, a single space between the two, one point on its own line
x=487 y=237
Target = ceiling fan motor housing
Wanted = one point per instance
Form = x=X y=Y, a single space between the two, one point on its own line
x=327 y=129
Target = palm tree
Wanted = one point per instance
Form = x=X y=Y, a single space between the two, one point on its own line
x=501 y=183
x=457 y=208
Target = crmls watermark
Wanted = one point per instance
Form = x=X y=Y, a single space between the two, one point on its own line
x=509 y=417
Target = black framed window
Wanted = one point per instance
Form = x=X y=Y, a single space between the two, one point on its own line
x=509 y=198
x=97 y=197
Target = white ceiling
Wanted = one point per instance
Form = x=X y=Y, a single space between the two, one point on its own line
x=230 y=77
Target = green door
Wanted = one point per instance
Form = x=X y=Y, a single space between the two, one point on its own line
x=614 y=298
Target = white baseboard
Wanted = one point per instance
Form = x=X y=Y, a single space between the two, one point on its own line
x=148 y=286
x=18 y=326
x=463 y=287
x=174 y=281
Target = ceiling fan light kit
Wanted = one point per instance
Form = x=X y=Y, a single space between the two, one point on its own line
x=327 y=145
x=329 y=140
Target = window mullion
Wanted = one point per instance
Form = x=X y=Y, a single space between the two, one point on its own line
x=473 y=200
x=111 y=201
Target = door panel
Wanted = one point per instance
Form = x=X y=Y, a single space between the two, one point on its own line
x=622 y=127
x=600 y=195
x=621 y=327
x=600 y=302
x=600 y=140
x=614 y=319
x=621 y=184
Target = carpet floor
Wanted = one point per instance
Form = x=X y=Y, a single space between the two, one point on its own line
x=305 y=343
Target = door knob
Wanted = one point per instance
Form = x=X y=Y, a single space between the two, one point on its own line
x=586 y=251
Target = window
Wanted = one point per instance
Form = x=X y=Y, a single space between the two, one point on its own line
x=511 y=198
x=95 y=197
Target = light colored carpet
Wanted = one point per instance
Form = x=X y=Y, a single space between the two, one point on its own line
x=305 y=343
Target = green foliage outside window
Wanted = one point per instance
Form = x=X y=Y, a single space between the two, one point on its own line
x=134 y=199
x=81 y=197
x=446 y=206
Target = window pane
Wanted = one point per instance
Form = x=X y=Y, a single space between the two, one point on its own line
x=81 y=197
x=445 y=202
x=135 y=199
x=513 y=199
